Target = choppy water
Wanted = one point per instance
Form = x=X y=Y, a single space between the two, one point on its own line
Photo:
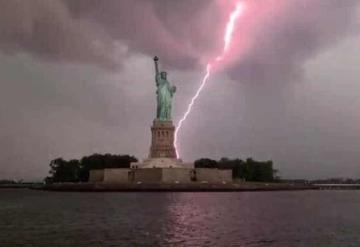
x=304 y=218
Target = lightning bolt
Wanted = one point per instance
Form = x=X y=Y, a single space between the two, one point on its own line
x=229 y=30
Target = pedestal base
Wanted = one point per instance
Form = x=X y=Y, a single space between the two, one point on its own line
x=162 y=140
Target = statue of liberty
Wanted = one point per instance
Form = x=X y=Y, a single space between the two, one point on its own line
x=164 y=93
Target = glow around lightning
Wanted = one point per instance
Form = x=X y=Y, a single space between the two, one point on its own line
x=229 y=30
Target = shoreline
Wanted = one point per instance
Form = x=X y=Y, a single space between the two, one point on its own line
x=179 y=187
x=174 y=187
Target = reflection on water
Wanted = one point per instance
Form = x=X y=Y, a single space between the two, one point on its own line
x=305 y=218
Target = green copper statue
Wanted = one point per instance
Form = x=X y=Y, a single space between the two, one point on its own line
x=164 y=93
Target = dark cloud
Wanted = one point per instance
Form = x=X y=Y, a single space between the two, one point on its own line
x=285 y=34
x=273 y=37
x=177 y=31
x=46 y=29
x=99 y=32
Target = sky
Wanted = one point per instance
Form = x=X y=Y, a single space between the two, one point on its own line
x=77 y=78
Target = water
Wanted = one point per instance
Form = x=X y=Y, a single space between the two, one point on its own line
x=303 y=218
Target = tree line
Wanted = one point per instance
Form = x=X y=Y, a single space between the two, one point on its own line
x=248 y=170
x=78 y=170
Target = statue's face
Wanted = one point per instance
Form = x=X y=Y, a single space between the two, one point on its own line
x=163 y=75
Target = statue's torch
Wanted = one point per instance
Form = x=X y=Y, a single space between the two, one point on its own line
x=156 y=59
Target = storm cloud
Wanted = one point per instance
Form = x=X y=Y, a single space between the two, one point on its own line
x=285 y=34
x=273 y=37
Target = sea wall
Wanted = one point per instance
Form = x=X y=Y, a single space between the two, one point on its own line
x=148 y=175
x=160 y=175
x=96 y=176
x=175 y=187
x=116 y=175
x=181 y=175
x=213 y=175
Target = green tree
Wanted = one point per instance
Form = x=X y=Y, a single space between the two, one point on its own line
x=249 y=170
x=64 y=171
x=78 y=171
x=205 y=163
x=102 y=161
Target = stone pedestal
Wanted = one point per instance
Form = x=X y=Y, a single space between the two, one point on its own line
x=162 y=140
x=162 y=150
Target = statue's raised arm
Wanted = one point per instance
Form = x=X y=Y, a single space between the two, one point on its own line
x=157 y=73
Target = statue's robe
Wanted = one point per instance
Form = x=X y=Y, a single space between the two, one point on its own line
x=164 y=97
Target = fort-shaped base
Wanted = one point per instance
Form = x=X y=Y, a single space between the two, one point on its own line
x=161 y=163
